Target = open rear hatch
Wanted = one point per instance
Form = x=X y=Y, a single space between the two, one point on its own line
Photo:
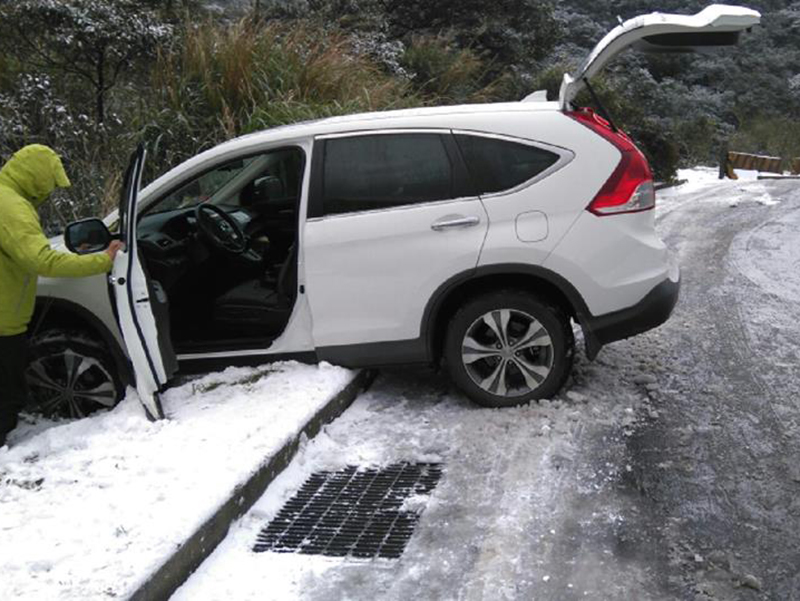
x=716 y=25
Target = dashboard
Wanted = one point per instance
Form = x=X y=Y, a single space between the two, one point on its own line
x=163 y=233
x=170 y=245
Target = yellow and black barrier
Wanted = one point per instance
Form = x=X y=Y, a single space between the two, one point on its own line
x=754 y=162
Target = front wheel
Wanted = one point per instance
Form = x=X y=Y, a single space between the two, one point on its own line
x=507 y=348
x=70 y=375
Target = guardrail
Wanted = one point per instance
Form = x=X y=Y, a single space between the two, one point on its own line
x=755 y=162
x=730 y=161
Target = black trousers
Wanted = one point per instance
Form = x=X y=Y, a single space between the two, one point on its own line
x=13 y=389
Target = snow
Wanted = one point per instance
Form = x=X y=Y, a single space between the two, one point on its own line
x=500 y=492
x=763 y=269
x=702 y=184
x=533 y=501
x=697 y=179
x=89 y=508
x=769 y=255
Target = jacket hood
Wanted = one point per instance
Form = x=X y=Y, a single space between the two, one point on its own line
x=34 y=172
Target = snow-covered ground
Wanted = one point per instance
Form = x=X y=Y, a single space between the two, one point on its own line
x=501 y=495
x=89 y=508
x=700 y=180
x=736 y=433
x=663 y=470
x=614 y=490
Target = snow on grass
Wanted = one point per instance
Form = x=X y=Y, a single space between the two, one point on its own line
x=697 y=179
x=89 y=508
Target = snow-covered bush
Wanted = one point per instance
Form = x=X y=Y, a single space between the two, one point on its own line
x=95 y=41
x=32 y=111
x=68 y=79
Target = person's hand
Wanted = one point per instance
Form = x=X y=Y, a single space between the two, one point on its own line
x=112 y=249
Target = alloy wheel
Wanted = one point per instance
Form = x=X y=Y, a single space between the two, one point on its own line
x=507 y=352
x=69 y=384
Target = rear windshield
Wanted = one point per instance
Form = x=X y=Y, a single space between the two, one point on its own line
x=496 y=165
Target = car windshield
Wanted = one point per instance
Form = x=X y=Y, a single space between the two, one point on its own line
x=216 y=186
x=241 y=182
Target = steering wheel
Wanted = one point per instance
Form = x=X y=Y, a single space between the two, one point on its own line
x=220 y=229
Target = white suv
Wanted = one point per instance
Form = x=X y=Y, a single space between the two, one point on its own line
x=468 y=235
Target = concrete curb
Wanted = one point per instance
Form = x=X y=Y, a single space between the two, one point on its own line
x=186 y=558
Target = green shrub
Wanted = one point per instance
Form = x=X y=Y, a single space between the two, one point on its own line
x=210 y=82
x=774 y=136
x=701 y=140
x=440 y=70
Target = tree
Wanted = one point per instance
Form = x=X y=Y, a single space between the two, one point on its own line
x=95 y=40
x=511 y=32
x=450 y=50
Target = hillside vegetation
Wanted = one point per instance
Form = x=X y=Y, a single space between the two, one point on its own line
x=692 y=104
x=94 y=77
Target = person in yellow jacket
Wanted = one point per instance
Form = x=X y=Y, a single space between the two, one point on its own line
x=26 y=181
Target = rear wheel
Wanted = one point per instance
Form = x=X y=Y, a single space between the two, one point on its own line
x=507 y=348
x=70 y=375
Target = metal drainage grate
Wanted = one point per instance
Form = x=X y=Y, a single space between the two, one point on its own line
x=352 y=512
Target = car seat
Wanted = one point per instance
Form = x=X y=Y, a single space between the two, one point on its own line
x=251 y=308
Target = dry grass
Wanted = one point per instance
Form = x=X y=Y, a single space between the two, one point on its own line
x=224 y=80
x=245 y=75
x=447 y=73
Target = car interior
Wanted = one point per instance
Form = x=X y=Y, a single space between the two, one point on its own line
x=223 y=247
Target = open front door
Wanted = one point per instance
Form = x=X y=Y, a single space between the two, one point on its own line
x=714 y=26
x=141 y=303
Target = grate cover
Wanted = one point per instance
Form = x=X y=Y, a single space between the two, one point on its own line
x=352 y=512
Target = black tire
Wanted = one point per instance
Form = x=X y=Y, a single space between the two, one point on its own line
x=530 y=361
x=70 y=375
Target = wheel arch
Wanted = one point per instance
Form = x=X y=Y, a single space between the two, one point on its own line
x=53 y=312
x=466 y=285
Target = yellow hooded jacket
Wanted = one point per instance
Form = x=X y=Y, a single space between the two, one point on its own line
x=26 y=181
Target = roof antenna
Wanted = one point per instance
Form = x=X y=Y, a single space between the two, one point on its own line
x=619 y=20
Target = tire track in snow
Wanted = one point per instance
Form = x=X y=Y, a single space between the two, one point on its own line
x=522 y=510
x=506 y=544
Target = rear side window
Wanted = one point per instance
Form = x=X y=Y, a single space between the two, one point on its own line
x=496 y=165
x=363 y=173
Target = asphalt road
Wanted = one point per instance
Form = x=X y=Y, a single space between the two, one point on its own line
x=709 y=471
x=728 y=507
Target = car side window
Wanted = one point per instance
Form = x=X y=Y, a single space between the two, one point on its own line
x=496 y=165
x=381 y=171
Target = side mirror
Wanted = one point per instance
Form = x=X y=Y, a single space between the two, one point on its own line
x=87 y=236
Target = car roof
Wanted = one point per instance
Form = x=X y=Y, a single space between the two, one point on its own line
x=391 y=118
x=409 y=118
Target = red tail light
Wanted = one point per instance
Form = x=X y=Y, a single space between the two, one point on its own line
x=630 y=187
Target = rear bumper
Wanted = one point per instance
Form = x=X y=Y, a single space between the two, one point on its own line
x=650 y=312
